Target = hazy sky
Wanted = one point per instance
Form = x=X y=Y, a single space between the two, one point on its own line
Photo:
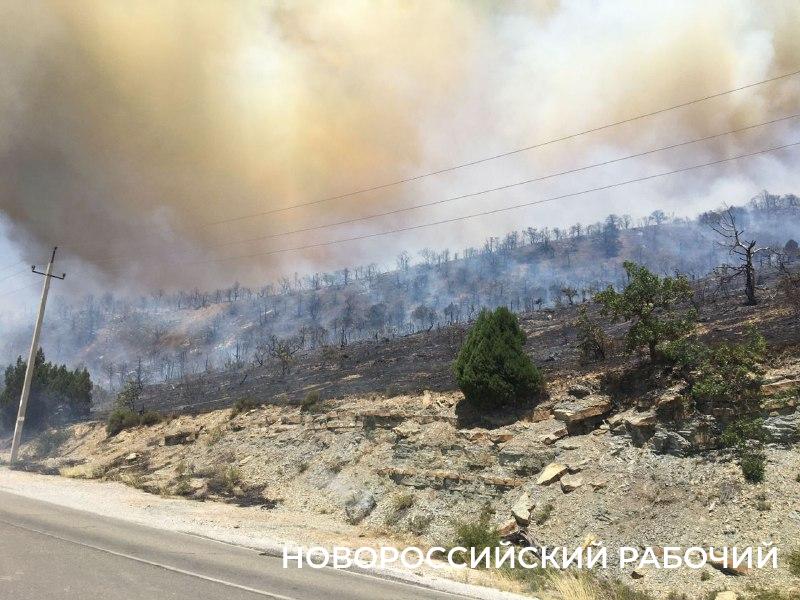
x=126 y=128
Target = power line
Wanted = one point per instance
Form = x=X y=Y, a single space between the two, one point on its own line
x=494 y=189
x=13 y=264
x=506 y=186
x=484 y=213
x=15 y=274
x=502 y=154
x=485 y=159
x=19 y=289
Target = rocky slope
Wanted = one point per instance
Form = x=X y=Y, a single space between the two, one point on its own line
x=581 y=465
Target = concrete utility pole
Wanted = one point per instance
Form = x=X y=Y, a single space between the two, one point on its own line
x=26 y=386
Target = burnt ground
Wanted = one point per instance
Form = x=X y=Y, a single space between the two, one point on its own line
x=423 y=361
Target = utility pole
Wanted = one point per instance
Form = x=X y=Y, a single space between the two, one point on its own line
x=26 y=386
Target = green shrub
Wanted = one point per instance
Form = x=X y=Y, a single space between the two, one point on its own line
x=150 y=417
x=492 y=368
x=478 y=534
x=753 y=463
x=650 y=303
x=120 y=419
x=124 y=418
x=592 y=340
x=312 y=398
x=542 y=515
x=224 y=480
x=736 y=434
x=242 y=405
x=727 y=373
x=793 y=561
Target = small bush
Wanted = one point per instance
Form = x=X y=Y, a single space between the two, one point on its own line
x=150 y=417
x=225 y=480
x=120 y=419
x=793 y=562
x=737 y=434
x=542 y=515
x=726 y=373
x=312 y=398
x=492 y=368
x=124 y=418
x=478 y=534
x=402 y=501
x=753 y=465
x=182 y=487
x=242 y=405
x=592 y=340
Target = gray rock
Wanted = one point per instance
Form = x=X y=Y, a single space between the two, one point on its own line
x=670 y=442
x=359 y=506
x=521 y=510
x=526 y=453
x=578 y=390
x=581 y=416
x=783 y=429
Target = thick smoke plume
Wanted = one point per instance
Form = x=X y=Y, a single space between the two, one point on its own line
x=126 y=127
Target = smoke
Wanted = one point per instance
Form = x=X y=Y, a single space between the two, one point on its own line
x=125 y=128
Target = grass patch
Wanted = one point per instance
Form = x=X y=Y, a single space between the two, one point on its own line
x=312 y=399
x=85 y=471
x=793 y=562
x=242 y=405
x=478 y=534
x=542 y=515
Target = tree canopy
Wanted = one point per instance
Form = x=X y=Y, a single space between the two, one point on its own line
x=57 y=394
x=651 y=303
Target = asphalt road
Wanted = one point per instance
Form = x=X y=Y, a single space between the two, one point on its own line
x=48 y=551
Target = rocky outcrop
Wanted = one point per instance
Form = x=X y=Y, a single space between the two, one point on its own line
x=551 y=473
x=670 y=442
x=783 y=429
x=525 y=453
x=581 y=415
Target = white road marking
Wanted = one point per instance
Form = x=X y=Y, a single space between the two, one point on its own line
x=153 y=563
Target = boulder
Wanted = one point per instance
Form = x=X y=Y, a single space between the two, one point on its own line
x=783 y=429
x=551 y=473
x=578 y=390
x=359 y=506
x=582 y=415
x=641 y=426
x=507 y=528
x=570 y=483
x=521 y=510
x=670 y=442
x=131 y=457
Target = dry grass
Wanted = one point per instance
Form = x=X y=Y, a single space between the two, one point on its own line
x=85 y=471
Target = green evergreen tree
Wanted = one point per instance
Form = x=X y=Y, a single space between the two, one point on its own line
x=57 y=394
x=492 y=368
